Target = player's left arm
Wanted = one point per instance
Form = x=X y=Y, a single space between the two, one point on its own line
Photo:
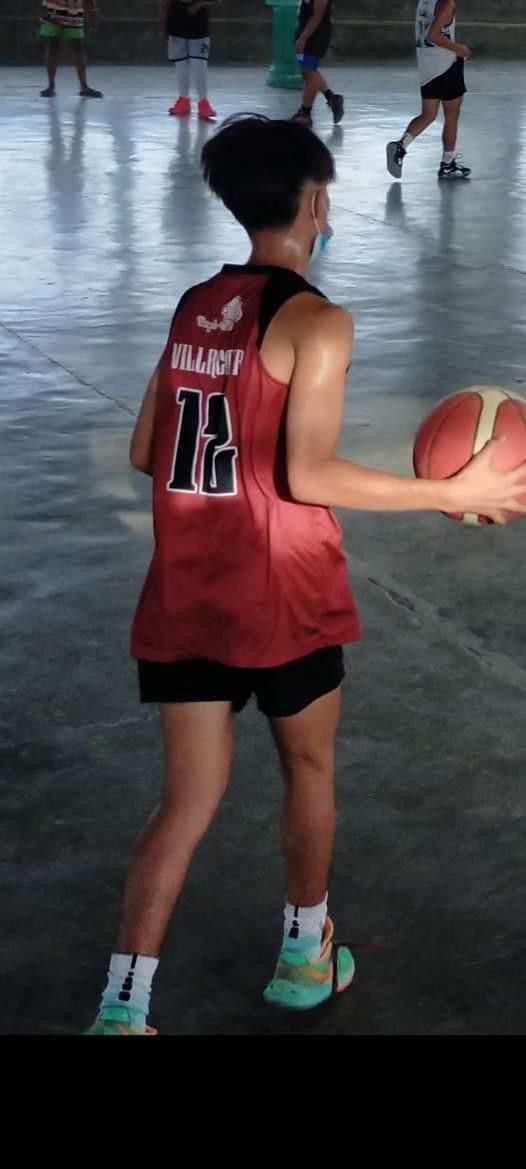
x=444 y=13
x=319 y=10
x=92 y=12
x=141 y=445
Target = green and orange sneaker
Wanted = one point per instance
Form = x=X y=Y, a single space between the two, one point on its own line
x=119 y=1021
x=299 y=984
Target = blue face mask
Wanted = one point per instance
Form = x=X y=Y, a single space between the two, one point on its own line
x=321 y=242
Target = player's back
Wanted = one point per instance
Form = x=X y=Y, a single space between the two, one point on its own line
x=241 y=573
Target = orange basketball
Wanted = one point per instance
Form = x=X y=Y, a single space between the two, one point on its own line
x=461 y=425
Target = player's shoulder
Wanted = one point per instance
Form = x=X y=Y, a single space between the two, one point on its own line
x=318 y=319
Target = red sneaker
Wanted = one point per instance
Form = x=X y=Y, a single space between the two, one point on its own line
x=205 y=110
x=181 y=108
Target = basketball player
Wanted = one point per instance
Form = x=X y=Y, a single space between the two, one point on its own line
x=64 y=20
x=312 y=43
x=187 y=26
x=247 y=593
x=441 y=68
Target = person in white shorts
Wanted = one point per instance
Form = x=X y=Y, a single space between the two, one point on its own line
x=441 y=69
x=186 y=25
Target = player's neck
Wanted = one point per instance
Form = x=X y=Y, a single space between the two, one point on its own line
x=279 y=252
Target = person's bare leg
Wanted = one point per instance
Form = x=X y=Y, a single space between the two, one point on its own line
x=198 y=743
x=52 y=56
x=79 y=56
x=306 y=744
x=451 y=118
x=424 y=119
x=314 y=83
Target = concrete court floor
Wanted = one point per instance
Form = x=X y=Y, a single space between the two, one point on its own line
x=104 y=222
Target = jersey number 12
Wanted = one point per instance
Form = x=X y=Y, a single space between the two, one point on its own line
x=218 y=464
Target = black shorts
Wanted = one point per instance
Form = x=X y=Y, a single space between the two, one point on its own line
x=449 y=86
x=319 y=43
x=280 y=691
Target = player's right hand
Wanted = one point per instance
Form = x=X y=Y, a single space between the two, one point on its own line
x=464 y=52
x=480 y=489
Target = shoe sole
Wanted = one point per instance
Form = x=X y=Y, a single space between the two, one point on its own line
x=280 y=1005
x=454 y=178
x=329 y=991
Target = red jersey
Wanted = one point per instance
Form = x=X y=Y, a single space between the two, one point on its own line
x=241 y=574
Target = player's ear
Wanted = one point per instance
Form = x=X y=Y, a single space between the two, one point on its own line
x=320 y=209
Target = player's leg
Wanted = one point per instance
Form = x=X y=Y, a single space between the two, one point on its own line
x=306 y=744
x=311 y=88
x=334 y=101
x=51 y=35
x=199 y=54
x=198 y=746
x=396 y=151
x=309 y=966
x=79 y=58
x=179 y=53
x=315 y=83
x=450 y=168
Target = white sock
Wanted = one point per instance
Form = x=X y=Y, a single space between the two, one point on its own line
x=305 y=925
x=130 y=982
x=448 y=156
x=199 y=70
x=406 y=141
x=183 y=77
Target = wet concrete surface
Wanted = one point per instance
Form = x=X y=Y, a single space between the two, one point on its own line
x=104 y=223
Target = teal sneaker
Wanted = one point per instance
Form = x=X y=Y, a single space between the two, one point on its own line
x=300 y=984
x=119 y=1021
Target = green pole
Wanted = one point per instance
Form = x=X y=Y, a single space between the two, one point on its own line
x=284 y=71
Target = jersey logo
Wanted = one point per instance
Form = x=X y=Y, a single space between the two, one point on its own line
x=231 y=315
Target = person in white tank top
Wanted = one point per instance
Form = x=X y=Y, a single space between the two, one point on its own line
x=440 y=59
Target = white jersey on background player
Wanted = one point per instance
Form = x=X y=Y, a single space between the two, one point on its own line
x=432 y=60
x=440 y=60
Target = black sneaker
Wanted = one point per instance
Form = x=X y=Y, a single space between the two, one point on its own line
x=337 y=105
x=395 y=154
x=453 y=170
x=87 y=91
x=304 y=117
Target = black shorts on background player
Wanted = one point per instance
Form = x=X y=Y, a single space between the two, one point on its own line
x=318 y=44
x=449 y=86
x=180 y=22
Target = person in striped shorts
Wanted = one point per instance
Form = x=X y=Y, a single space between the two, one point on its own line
x=65 y=20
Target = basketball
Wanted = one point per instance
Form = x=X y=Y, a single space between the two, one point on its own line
x=461 y=425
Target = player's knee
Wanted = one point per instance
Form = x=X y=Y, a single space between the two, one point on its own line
x=189 y=814
x=306 y=761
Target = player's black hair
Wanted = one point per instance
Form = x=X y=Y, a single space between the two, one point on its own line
x=259 y=167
